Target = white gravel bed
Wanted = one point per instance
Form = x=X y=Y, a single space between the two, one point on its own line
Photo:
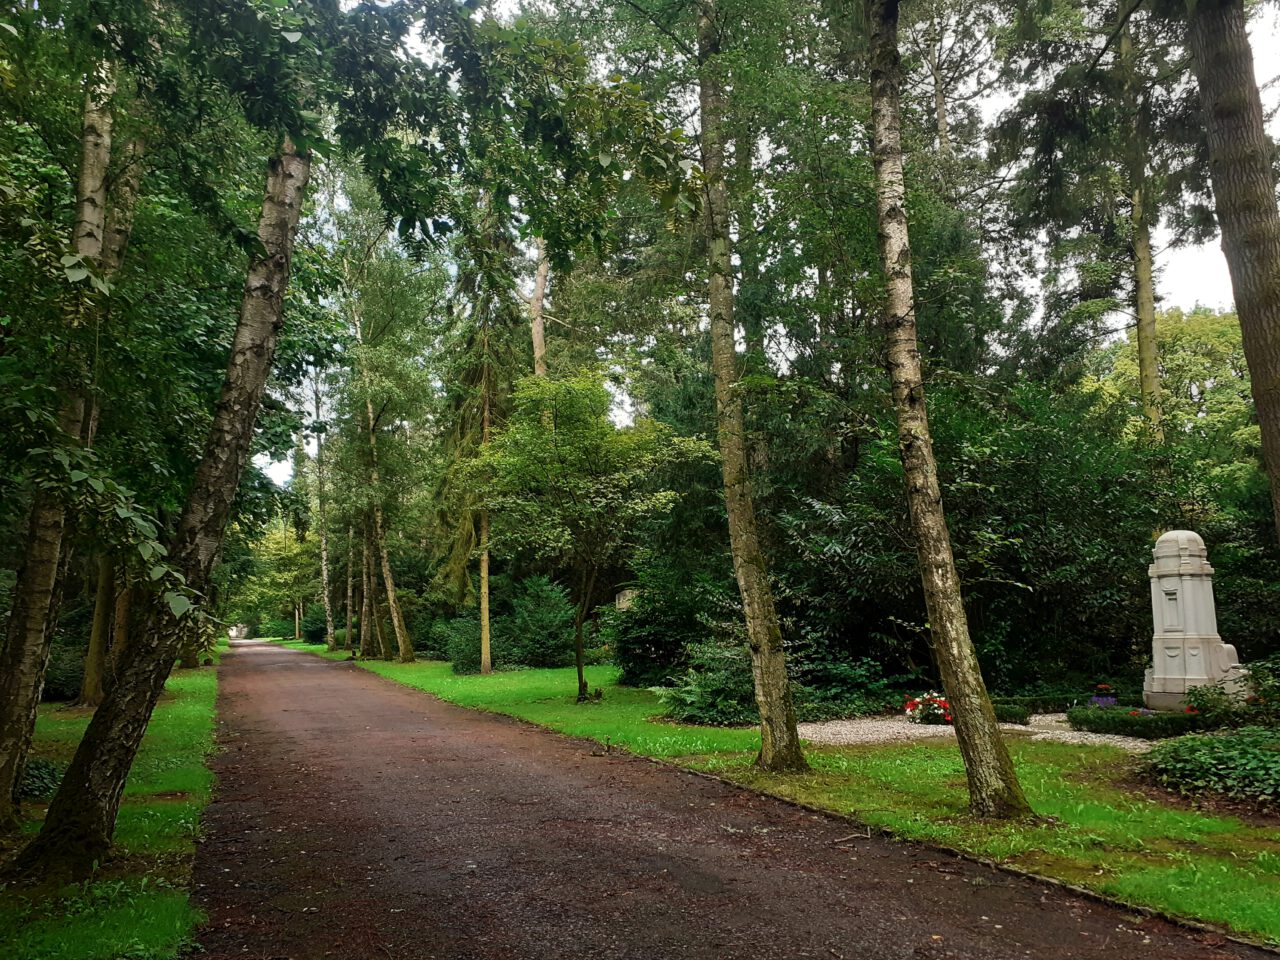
x=1044 y=726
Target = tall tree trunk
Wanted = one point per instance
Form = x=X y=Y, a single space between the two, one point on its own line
x=779 y=741
x=380 y=543
x=537 y=304
x=330 y=641
x=368 y=644
x=297 y=620
x=119 y=627
x=1244 y=193
x=384 y=639
x=993 y=786
x=95 y=658
x=24 y=655
x=1140 y=218
x=588 y=584
x=80 y=822
x=486 y=651
x=351 y=552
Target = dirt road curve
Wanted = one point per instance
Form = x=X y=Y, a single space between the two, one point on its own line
x=358 y=819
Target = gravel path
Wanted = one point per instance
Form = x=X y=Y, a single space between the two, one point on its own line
x=870 y=730
x=356 y=819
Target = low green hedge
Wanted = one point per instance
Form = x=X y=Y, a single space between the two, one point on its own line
x=1241 y=764
x=1126 y=722
x=1062 y=702
x=1012 y=713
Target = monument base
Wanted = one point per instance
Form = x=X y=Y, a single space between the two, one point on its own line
x=1170 y=702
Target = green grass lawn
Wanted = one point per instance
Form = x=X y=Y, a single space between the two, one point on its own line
x=138 y=907
x=1095 y=831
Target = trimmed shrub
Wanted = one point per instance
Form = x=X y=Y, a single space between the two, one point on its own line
x=1062 y=702
x=1143 y=724
x=40 y=778
x=539 y=632
x=1241 y=764
x=461 y=638
x=717 y=688
x=1012 y=713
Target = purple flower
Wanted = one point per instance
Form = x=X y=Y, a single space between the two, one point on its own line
x=1102 y=702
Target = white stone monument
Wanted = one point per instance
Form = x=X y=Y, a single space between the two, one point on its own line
x=1185 y=648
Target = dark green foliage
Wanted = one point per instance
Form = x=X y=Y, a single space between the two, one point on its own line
x=1241 y=764
x=425 y=638
x=836 y=690
x=715 y=689
x=276 y=629
x=65 y=675
x=1064 y=701
x=1012 y=713
x=539 y=631
x=459 y=638
x=313 y=624
x=40 y=779
x=1144 y=724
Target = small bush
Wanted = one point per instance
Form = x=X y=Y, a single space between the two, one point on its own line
x=930 y=708
x=717 y=689
x=539 y=632
x=461 y=638
x=40 y=778
x=1241 y=764
x=1012 y=713
x=1143 y=724
x=831 y=691
x=595 y=656
x=1062 y=702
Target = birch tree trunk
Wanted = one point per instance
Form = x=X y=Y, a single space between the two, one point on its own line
x=380 y=544
x=78 y=827
x=1244 y=193
x=24 y=655
x=994 y=790
x=779 y=741
x=368 y=644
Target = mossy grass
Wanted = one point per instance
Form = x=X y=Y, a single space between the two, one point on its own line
x=1093 y=830
x=138 y=906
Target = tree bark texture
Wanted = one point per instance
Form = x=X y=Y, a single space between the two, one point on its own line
x=78 y=827
x=330 y=641
x=95 y=658
x=994 y=790
x=1244 y=193
x=24 y=655
x=486 y=637
x=368 y=644
x=351 y=549
x=779 y=741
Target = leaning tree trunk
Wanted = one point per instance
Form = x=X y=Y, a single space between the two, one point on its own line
x=95 y=658
x=24 y=655
x=380 y=543
x=993 y=785
x=1244 y=193
x=77 y=830
x=119 y=628
x=779 y=741
x=486 y=646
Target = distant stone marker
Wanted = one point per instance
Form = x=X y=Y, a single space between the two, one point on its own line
x=239 y=632
x=1186 y=650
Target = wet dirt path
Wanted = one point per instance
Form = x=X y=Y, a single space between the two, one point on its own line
x=358 y=819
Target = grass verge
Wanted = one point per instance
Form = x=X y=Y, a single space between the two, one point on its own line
x=138 y=906
x=1096 y=832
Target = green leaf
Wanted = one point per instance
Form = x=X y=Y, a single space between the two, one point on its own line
x=178 y=603
x=293 y=36
x=156 y=572
x=76 y=274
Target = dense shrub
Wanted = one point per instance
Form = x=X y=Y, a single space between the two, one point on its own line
x=40 y=778
x=274 y=629
x=833 y=691
x=1242 y=764
x=1062 y=702
x=715 y=689
x=1144 y=724
x=1012 y=713
x=340 y=635
x=424 y=638
x=539 y=631
x=313 y=624
x=65 y=673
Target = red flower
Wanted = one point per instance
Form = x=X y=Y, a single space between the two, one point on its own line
x=1104 y=686
x=1192 y=710
x=1135 y=713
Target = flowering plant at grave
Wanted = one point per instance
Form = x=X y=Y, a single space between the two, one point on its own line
x=1102 y=702
x=928 y=708
x=1141 y=712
